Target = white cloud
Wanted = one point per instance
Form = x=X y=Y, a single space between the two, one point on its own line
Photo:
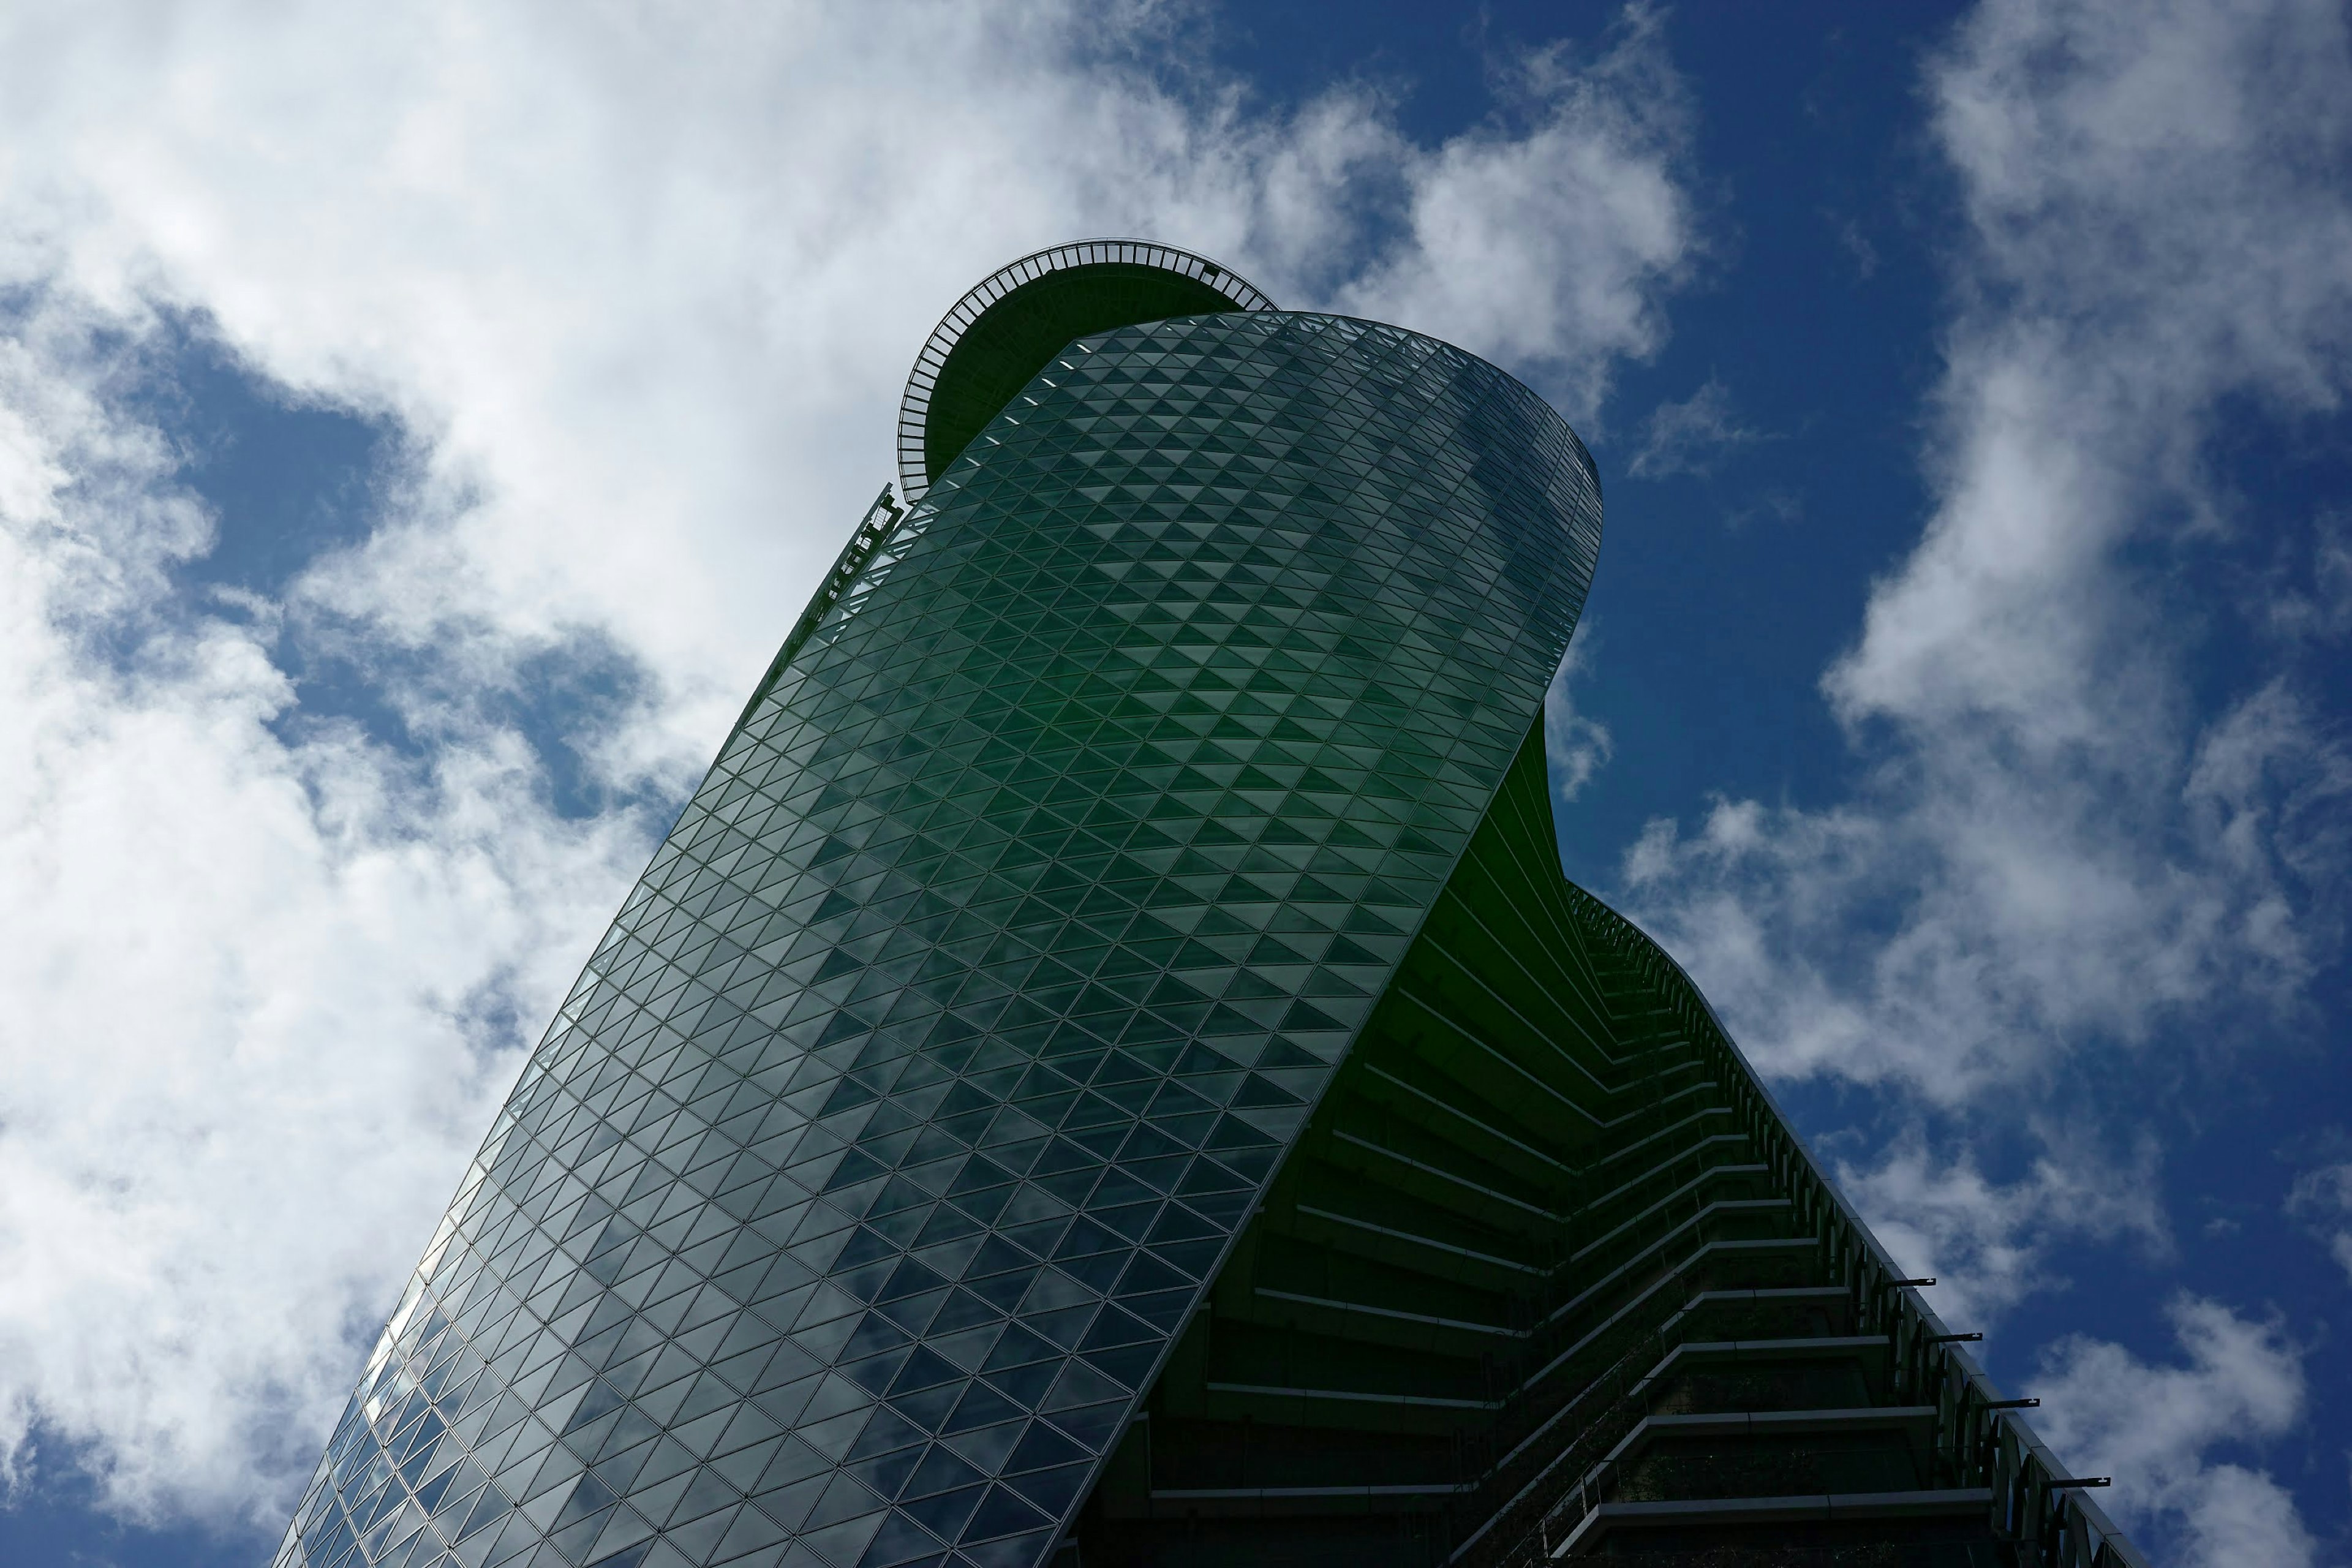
x=2307 y=596
x=2052 y=846
x=2322 y=1199
x=2106 y=1412
x=1987 y=1244
x=1690 y=436
x=1540 y=241
x=1575 y=747
x=636 y=289
x=253 y=985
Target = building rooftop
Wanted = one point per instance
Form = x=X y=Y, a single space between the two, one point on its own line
x=1010 y=325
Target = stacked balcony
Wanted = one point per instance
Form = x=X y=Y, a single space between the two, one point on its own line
x=1546 y=1278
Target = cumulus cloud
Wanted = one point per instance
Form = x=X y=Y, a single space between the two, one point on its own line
x=1988 y=1243
x=2153 y=1428
x=258 y=988
x=2054 y=843
x=1591 y=150
x=634 y=289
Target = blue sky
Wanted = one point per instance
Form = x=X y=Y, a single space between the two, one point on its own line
x=418 y=430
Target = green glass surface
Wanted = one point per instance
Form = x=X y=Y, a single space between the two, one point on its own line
x=902 y=1119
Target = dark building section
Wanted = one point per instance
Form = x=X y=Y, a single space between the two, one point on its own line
x=1547 y=1275
x=1106 y=1069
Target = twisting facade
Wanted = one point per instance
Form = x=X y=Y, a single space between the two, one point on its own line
x=1106 y=1069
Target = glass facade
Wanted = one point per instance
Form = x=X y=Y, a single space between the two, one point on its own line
x=1106 y=1066
x=924 y=1078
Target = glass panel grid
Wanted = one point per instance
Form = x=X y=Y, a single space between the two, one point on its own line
x=914 y=1096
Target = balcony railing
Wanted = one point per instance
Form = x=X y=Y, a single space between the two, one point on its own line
x=1979 y=1440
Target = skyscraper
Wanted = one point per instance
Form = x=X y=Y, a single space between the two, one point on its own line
x=1106 y=1067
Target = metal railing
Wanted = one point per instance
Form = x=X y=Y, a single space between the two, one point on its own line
x=915 y=404
x=1980 y=1440
x=877 y=528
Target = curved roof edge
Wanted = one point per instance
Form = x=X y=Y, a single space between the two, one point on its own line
x=982 y=353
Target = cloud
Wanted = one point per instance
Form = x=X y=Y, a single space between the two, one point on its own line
x=1575 y=747
x=633 y=290
x=2322 y=1199
x=1690 y=436
x=1540 y=241
x=257 y=988
x=1987 y=1244
x=1856 y=243
x=2152 y=1426
x=2306 y=596
x=2054 y=844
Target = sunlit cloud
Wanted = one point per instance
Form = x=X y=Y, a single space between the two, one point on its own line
x=2155 y=1427
x=632 y=293
x=1988 y=1243
x=2060 y=849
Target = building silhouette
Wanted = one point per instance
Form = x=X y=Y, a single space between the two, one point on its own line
x=1107 y=1069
